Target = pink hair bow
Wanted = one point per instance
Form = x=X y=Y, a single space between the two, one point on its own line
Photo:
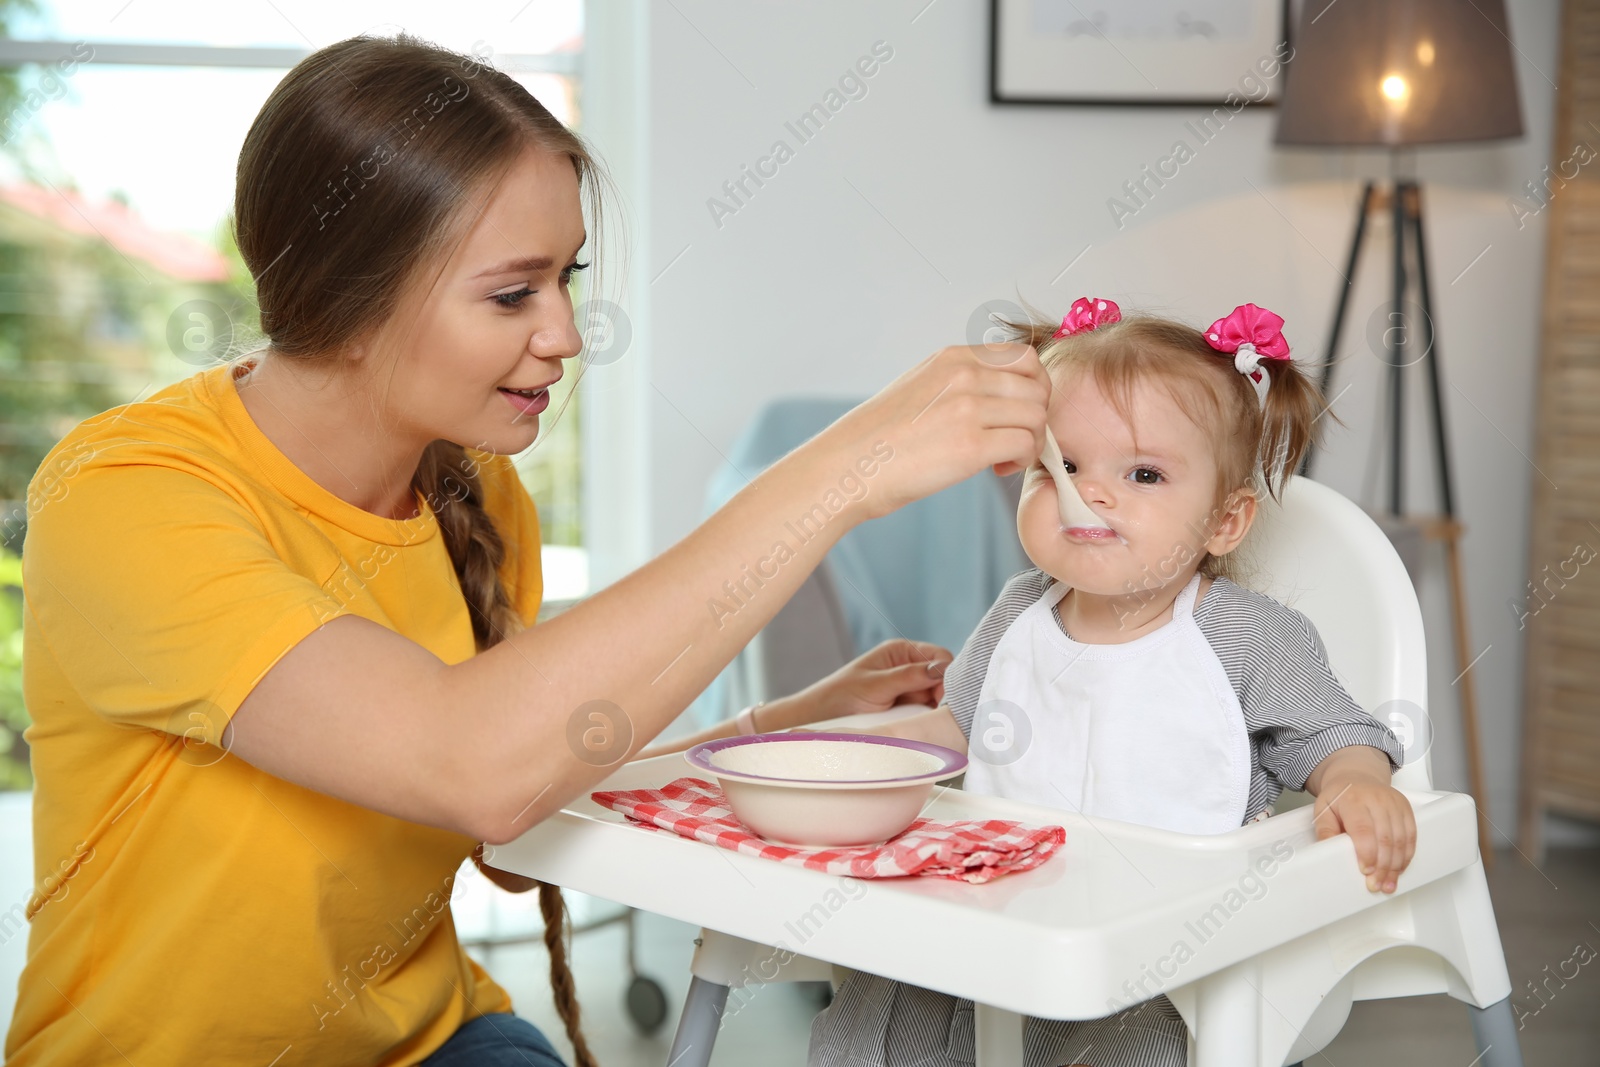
x=1252 y=334
x=1088 y=312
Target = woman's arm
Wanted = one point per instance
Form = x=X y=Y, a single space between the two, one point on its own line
x=494 y=744
x=894 y=673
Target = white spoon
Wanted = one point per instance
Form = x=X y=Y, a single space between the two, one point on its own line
x=1074 y=512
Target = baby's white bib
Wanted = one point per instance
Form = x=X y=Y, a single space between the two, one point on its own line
x=1149 y=731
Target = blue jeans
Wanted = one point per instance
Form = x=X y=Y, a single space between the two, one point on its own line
x=500 y=1039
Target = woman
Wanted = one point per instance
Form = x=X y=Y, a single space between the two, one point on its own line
x=278 y=641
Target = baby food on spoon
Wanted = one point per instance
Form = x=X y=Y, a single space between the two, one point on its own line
x=1074 y=512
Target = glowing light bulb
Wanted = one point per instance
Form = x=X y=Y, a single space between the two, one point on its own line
x=1394 y=88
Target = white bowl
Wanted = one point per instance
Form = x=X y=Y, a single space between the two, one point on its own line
x=822 y=790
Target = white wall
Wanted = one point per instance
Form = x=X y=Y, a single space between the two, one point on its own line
x=875 y=243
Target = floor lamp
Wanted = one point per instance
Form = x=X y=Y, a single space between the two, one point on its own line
x=1396 y=74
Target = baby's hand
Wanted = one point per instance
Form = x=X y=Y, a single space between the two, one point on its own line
x=1354 y=797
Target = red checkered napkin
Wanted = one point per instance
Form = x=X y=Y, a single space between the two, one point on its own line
x=974 y=851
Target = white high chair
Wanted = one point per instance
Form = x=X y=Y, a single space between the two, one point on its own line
x=1324 y=556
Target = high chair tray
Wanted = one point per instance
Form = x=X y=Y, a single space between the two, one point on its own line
x=1059 y=941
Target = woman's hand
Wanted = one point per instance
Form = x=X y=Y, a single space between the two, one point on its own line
x=960 y=410
x=896 y=672
x=1354 y=797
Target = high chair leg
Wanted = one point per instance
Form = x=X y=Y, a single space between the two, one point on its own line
x=723 y=963
x=1495 y=1030
x=697 y=1026
x=1228 y=1005
x=997 y=1037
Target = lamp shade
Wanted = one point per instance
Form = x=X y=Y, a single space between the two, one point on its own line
x=1400 y=72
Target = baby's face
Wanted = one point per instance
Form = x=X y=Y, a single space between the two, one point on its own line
x=1158 y=499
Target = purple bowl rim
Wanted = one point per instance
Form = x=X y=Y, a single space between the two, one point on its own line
x=955 y=762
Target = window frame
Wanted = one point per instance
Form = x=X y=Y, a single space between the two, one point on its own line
x=15 y=52
x=609 y=73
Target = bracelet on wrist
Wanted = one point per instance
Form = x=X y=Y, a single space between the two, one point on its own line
x=745 y=721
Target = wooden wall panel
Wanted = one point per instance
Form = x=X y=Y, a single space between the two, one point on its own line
x=1561 y=705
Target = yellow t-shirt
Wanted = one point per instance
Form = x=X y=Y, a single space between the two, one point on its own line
x=189 y=908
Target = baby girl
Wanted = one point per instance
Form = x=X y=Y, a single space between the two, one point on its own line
x=1126 y=676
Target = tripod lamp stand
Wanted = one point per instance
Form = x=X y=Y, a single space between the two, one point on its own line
x=1396 y=74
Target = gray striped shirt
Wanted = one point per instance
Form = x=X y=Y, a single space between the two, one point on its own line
x=1296 y=713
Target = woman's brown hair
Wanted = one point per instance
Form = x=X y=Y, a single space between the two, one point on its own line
x=1257 y=446
x=370 y=161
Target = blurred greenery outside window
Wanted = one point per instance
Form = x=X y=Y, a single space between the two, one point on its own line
x=118 y=272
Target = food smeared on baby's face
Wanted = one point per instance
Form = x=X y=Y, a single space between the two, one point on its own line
x=1150 y=478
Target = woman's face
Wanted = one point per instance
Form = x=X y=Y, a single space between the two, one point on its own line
x=1158 y=498
x=476 y=364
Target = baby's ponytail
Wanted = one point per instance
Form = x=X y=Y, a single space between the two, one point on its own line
x=1028 y=331
x=1290 y=403
x=1290 y=417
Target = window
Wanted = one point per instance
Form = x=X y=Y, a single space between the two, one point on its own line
x=120 y=125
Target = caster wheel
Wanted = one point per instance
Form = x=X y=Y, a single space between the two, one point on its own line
x=647 y=1004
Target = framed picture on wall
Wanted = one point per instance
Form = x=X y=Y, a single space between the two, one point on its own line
x=1152 y=52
